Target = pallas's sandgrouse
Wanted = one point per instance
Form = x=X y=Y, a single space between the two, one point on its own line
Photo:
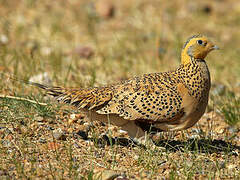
x=167 y=101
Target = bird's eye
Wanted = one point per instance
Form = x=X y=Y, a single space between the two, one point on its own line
x=200 y=42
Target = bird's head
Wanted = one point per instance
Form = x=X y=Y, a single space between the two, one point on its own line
x=197 y=47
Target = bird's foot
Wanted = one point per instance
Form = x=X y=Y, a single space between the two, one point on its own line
x=147 y=142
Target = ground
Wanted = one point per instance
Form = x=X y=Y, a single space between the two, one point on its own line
x=92 y=43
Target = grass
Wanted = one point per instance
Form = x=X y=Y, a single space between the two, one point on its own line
x=142 y=37
x=230 y=109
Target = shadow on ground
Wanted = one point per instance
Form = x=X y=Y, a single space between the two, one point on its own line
x=199 y=145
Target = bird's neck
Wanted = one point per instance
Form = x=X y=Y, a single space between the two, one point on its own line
x=196 y=73
x=198 y=66
x=185 y=57
x=187 y=60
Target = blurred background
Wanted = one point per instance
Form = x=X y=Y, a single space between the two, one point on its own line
x=90 y=43
x=82 y=43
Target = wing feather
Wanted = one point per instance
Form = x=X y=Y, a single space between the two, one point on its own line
x=144 y=98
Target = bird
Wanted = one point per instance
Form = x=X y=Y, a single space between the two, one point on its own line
x=165 y=101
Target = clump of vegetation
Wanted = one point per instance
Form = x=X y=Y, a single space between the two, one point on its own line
x=230 y=108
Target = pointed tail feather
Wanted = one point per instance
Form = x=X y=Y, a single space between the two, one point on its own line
x=51 y=90
x=81 y=98
x=11 y=77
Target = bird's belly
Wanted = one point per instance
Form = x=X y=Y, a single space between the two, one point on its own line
x=188 y=120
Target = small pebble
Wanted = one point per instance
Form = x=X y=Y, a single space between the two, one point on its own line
x=105 y=9
x=122 y=178
x=3 y=39
x=46 y=51
x=233 y=129
x=105 y=174
x=73 y=116
x=42 y=140
x=83 y=51
x=207 y=9
x=218 y=89
x=6 y=143
x=38 y=118
x=222 y=164
x=42 y=78
x=82 y=134
x=59 y=134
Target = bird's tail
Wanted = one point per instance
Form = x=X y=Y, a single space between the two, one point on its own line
x=50 y=90
x=80 y=97
x=42 y=86
x=24 y=81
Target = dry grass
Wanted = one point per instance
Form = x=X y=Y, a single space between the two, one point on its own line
x=79 y=44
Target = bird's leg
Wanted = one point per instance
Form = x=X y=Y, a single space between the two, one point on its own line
x=140 y=137
x=133 y=130
x=147 y=142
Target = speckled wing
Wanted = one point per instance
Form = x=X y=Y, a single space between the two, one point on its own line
x=153 y=97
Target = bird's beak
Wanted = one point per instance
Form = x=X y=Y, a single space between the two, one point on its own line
x=215 y=47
